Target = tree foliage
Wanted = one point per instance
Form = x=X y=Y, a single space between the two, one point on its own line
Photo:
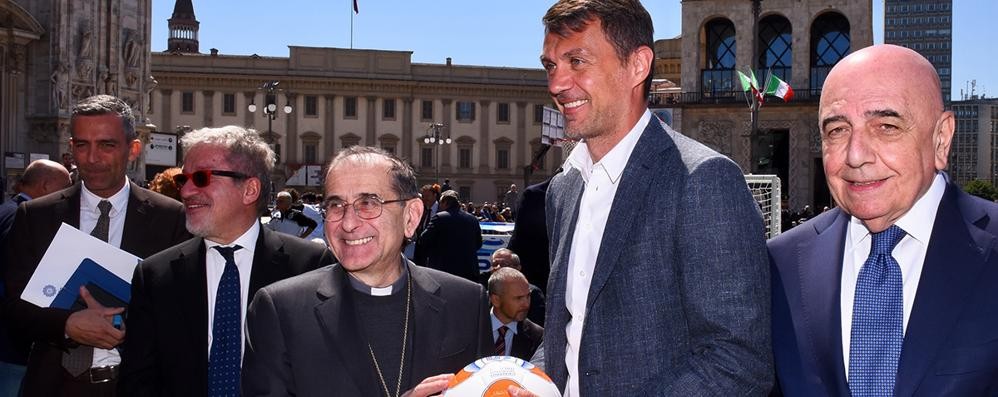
x=980 y=188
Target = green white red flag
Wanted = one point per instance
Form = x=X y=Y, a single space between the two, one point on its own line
x=779 y=88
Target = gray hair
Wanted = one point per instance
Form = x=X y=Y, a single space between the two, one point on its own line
x=500 y=276
x=245 y=150
x=98 y=105
x=513 y=256
x=401 y=175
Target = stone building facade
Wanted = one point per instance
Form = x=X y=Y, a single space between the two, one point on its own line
x=343 y=97
x=53 y=53
x=798 y=41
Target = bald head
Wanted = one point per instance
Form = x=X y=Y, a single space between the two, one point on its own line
x=892 y=65
x=43 y=177
x=884 y=132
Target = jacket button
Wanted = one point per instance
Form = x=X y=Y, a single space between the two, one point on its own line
x=591 y=373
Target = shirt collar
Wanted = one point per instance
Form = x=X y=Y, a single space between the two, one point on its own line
x=918 y=221
x=247 y=240
x=89 y=200
x=496 y=323
x=614 y=162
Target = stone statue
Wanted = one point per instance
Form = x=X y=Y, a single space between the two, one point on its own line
x=86 y=44
x=60 y=78
x=131 y=52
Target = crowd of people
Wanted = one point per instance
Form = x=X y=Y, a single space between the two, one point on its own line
x=639 y=269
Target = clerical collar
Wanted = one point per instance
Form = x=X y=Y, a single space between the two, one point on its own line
x=397 y=286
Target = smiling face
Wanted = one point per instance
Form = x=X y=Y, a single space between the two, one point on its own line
x=368 y=248
x=225 y=208
x=600 y=95
x=102 y=153
x=884 y=133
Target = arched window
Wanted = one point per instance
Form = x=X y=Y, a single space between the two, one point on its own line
x=718 y=73
x=775 y=47
x=829 y=44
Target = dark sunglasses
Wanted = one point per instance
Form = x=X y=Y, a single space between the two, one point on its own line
x=202 y=178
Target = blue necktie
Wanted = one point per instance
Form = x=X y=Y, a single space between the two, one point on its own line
x=224 y=360
x=877 y=319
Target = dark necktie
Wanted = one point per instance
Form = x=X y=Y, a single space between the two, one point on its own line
x=500 y=349
x=224 y=360
x=79 y=359
x=877 y=319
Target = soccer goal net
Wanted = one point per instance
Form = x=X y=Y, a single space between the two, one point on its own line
x=766 y=191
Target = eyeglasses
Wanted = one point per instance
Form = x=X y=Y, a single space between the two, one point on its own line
x=367 y=207
x=202 y=178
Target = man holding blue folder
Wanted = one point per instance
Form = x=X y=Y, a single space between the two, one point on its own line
x=73 y=352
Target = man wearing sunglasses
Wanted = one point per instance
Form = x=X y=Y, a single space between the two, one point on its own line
x=74 y=353
x=185 y=326
x=374 y=324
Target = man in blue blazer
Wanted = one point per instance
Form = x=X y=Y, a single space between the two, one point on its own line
x=895 y=292
x=657 y=247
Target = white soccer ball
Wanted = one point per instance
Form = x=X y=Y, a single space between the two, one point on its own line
x=490 y=377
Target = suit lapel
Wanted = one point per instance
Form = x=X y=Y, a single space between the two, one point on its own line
x=642 y=165
x=68 y=210
x=193 y=308
x=949 y=274
x=136 y=224
x=338 y=319
x=820 y=282
x=270 y=262
x=428 y=314
x=567 y=189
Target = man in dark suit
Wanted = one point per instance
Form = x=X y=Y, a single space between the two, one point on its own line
x=895 y=291
x=374 y=323
x=139 y=221
x=512 y=333
x=657 y=246
x=530 y=238
x=178 y=313
x=452 y=239
x=41 y=177
x=504 y=257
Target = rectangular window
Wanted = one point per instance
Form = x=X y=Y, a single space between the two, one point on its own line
x=311 y=105
x=388 y=109
x=427 y=111
x=426 y=157
x=538 y=114
x=465 y=192
x=229 y=104
x=464 y=157
x=465 y=111
x=311 y=153
x=350 y=107
x=187 y=102
x=502 y=113
x=502 y=159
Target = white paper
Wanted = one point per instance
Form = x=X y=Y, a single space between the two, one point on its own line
x=70 y=247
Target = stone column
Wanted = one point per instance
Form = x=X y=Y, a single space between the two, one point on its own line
x=329 y=135
x=448 y=119
x=521 y=139
x=291 y=127
x=166 y=109
x=250 y=118
x=406 y=143
x=372 y=121
x=209 y=108
x=483 y=132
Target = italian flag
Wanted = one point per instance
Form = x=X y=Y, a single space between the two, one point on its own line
x=779 y=88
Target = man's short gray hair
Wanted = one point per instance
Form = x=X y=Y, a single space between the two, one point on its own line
x=502 y=275
x=401 y=175
x=245 y=150
x=98 y=105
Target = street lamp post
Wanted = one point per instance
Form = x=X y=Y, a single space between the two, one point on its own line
x=433 y=136
x=270 y=109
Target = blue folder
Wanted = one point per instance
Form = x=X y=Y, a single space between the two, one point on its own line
x=106 y=287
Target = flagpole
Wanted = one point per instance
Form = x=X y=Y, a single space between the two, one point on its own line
x=351 y=24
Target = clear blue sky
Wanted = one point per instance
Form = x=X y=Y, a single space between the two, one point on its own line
x=475 y=32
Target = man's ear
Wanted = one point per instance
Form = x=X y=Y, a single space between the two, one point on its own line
x=640 y=64
x=251 y=191
x=134 y=149
x=413 y=212
x=942 y=138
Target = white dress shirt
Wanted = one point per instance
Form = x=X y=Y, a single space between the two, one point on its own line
x=88 y=220
x=510 y=331
x=601 y=180
x=909 y=253
x=215 y=265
